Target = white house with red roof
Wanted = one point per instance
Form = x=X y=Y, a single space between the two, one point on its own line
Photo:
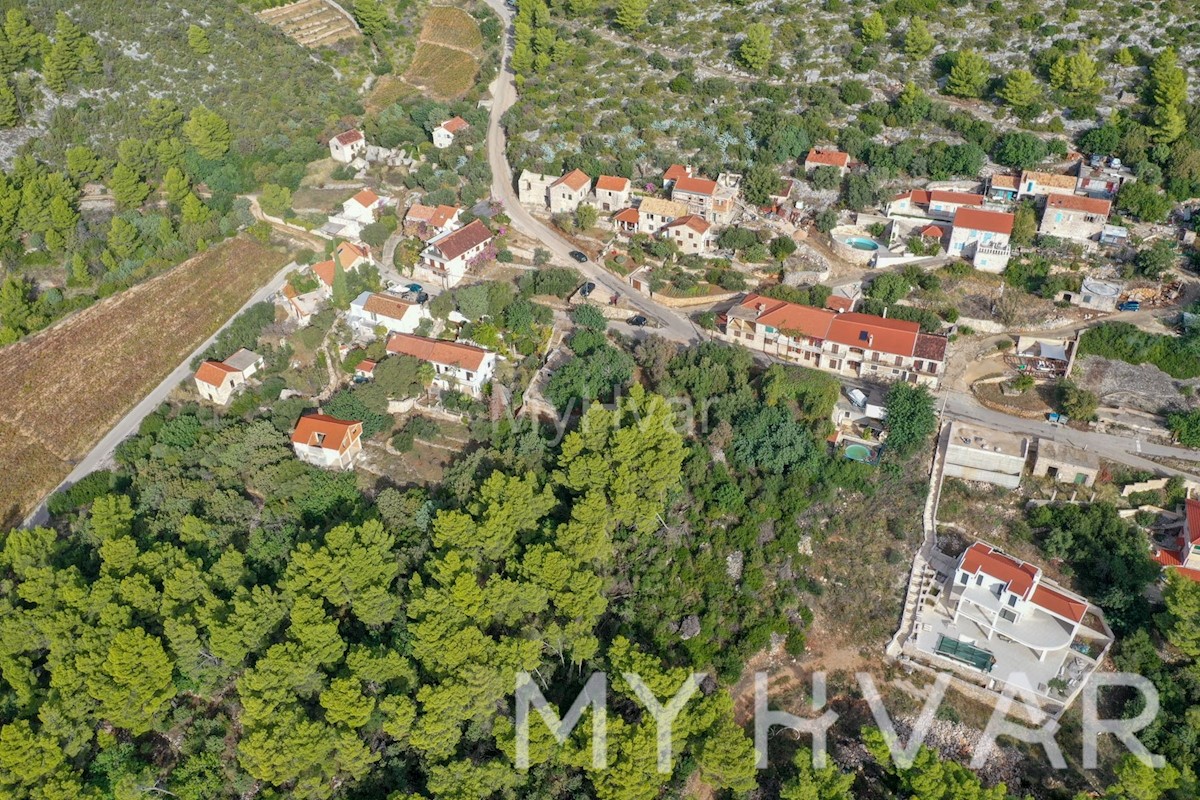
x=326 y=441
x=845 y=343
x=357 y=213
x=372 y=310
x=998 y=621
x=982 y=236
x=457 y=366
x=568 y=192
x=827 y=157
x=348 y=256
x=712 y=200
x=443 y=135
x=612 y=193
x=1180 y=548
x=1069 y=216
x=450 y=255
x=217 y=381
x=430 y=221
x=691 y=234
x=345 y=147
x=943 y=203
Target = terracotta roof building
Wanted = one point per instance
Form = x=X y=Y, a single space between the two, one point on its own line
x=449 y=255
x=456 y=365
x=826 y=158
x=846 y=343
x=327 y=441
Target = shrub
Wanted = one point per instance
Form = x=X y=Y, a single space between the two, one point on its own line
x=79 y=494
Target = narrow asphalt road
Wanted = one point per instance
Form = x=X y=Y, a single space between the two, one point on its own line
x=672 y=324
x=101 y=455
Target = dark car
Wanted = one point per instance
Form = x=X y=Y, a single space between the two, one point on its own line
x=416 y=288
x=578 y=256
x=637 y=320
x=1130 y=305
x=587 y=289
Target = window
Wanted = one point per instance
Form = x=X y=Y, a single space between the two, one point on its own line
x=979 y=579
x=470 y=376
x=962 y=577
x=1012 y=600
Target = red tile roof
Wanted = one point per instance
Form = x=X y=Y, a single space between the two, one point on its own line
x=576 y=179
x=1192 y=511
x=366 y=366
x=436 y=216
x=610 y=184
x=629 y=216
x=388 y=306
x=452 y=245
x=930 y=347
x=324 y=272
x=835 y=302
x=698 y=224
x=1059 y=603
x=366 y=198
x=918 y=197
x=349 y=137
x=322 y=430
x=419 y=213
x=961 y=198
x=932 y=232
x=455 y=124
x=347 y=252
x=1018 y=576
x=437 y=351
x=214 y=373
x=896 y=336
x=675 y=172
x=979 y=220
x=827 y=158
x=790 y=317
x=1088 y=205
x=694 y=186
x=1006 y=182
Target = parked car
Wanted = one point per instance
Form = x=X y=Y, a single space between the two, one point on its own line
x=637 y=320
x=1130 y=305
x=578 y=256
x=415 y=287
x=587 y=289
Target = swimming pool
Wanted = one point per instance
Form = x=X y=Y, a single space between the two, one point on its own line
x=862 y=243
x=859 y=452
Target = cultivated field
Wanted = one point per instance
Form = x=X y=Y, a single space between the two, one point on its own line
x=447 y=57
x=65 y=387
x=453 y=28
x=312 y=23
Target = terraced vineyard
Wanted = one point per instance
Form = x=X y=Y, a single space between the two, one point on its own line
x=448 y=51
x=312 y=23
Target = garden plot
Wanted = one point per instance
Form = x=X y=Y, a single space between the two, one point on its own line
x=312 y=23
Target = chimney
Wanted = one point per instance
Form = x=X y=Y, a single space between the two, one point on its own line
x=885 y=312
x=870 y=340
x=761 y=307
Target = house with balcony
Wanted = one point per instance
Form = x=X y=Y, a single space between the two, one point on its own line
x=325 y=441
x=450 y=255
x=458 y=366
x=1080 y=219
x=846 y=343
x=1102 y=177
x=998 y=622
x=674 y=173
x=1178 y=547
x=1004 y=188
x=714 y=201
x=982 y=237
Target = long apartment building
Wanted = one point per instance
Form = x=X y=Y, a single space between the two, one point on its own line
x=848 y=343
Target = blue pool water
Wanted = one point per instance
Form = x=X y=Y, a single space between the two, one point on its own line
x=861 y=243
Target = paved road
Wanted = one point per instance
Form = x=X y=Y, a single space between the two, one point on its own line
x=673 y=325
x=101 y=455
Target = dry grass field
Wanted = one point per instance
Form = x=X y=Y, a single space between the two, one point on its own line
x=448 y=51
x=387 y=90
x=66 y=387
